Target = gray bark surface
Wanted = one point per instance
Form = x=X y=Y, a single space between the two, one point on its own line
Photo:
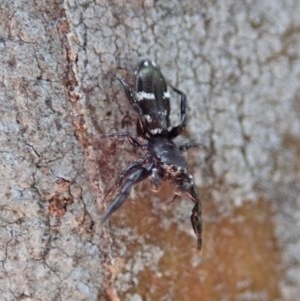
x=238 y=62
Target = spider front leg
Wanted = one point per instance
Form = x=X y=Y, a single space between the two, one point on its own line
x=135 y=176
x=124 y=174
x=188 y=187
x=196 y=221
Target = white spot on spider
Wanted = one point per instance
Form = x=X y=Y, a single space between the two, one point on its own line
x=144 y=96
x=156 y=131
x=182 y=170
x=173 y=170
x=148 y=118
x=147 y=63
x=163 y=113
x=166 y=94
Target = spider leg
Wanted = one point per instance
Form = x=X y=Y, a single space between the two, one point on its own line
x=124 y=174
x=134 y=177
x=175 y=131
x=175 y=197
x=192 y=144
x=131 y=95
x=187 y=186
x=187 y=146
x=196 y=217
x=129 y=92
x=133 y=140
x=196 y=221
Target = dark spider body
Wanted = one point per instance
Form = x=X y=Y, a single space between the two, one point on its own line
x=151 y=85
x=163 y=159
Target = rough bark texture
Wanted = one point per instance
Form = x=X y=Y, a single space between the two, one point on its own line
x=238 y=62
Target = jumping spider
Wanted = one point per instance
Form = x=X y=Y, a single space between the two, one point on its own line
x=163 y=159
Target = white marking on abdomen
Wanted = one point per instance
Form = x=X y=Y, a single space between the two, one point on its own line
x=164 y=112
x=156 y=131
x=166 y=94
x=144 y=96
x=148 y=118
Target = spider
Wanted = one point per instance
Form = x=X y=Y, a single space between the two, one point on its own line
x=163 y=159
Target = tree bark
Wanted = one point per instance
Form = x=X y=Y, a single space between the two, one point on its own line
x=239 y=64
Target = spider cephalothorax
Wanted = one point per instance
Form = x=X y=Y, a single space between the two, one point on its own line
x=163 y=159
